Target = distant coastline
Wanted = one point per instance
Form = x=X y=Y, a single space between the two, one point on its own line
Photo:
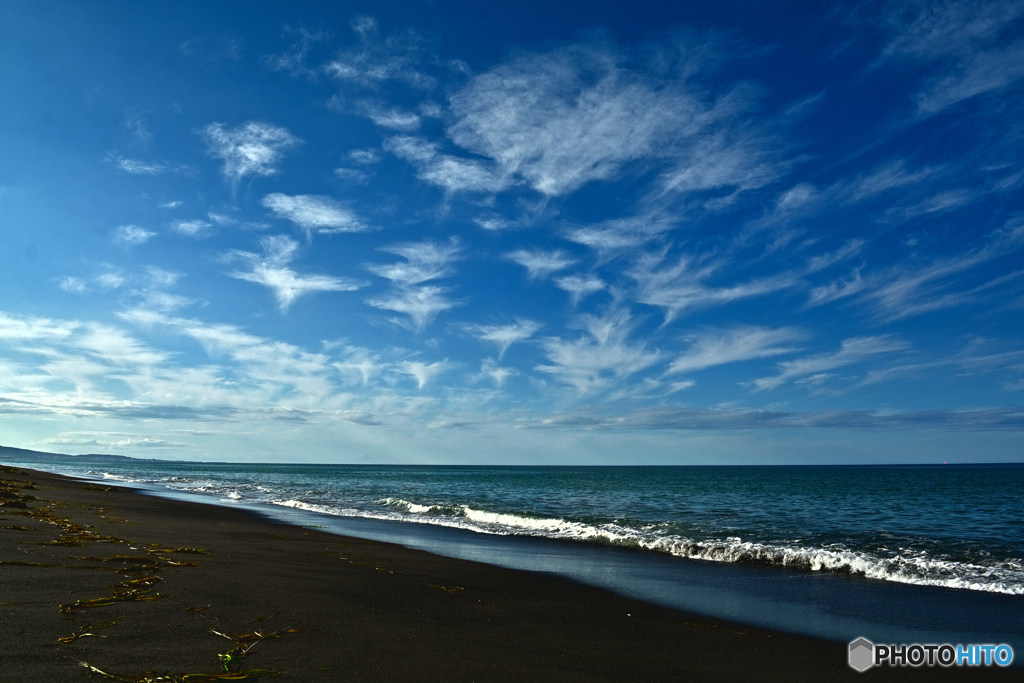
x=12 y=454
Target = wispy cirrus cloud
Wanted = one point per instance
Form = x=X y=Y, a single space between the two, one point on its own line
x=314 y=213
x=128 y=236
x=539 y=263
x=712 y=347
x=589 y=112
x=580 y=286
x=906 y=290
x=617 y=235
x=499 y=375
x=973 y=48
x=423 y=372
x=601 y=359
x=364 y=156
x=294 y=60
x=375 y=61
x=196 y=228
x=424 y=261
x=271 y=270
x=73 y=285
x=853 y=350
x=140 y=167
x=995 y=419
x=681 y=287
x=253 y=148
x=420 y=304
x=450 y=173
x=504 y=336
x=392 y=118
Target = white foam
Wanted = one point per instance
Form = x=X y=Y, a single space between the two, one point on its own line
x=903 y=568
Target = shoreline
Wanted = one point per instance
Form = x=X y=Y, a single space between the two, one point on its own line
x=362 y=609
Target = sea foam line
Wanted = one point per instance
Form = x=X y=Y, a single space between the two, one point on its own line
x=919 y=570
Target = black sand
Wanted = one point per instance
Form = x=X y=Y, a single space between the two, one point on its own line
x=341 y=608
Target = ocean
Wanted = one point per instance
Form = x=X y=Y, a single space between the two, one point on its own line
x=824 y=550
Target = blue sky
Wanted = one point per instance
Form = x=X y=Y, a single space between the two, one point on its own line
x=455 y=233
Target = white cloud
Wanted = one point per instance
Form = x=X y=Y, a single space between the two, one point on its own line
x=717 y=347
x=451 y=173
x=394 y=118
x=423 y=372
x=254 y=148
x=680 y=288
x=490 y=368
x=352 y=175
x=424 y=261
x=73 y=284
x=138 y=167
x=843 y=253
x=15 y=329
x=364 y=156
x=171 y=205
x=596 y=363
x=158 y=277
x=964 y=41
x=374 y=62
x=314 y=213
x=494 y=223
x=421 y=304
x=504 y=336
x=616 y=235
x=804 y=200
x=271 y=270
x=540 y=264
x=889 y=176
x=111 y=279
x=580 y=286
x=195 y=228
x=131 y=236
x=135 y=123
x=852 y=351
x=903 y=290
x=294 y=60
x=578 y=114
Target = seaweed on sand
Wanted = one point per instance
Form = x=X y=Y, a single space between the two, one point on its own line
x=87 y=630
x=154 y=677
x=243 y=643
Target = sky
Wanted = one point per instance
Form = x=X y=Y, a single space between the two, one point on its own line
x=513 y=233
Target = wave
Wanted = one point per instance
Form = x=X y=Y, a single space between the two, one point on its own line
x=902 y=565
x=909 y=567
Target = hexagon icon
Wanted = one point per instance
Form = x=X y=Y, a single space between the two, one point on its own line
x=862 y=654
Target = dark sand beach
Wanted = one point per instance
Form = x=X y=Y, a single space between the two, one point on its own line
x=141 y=587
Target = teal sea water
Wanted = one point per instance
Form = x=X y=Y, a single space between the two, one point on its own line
x=957 y=526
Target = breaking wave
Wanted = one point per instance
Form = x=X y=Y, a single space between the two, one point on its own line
x=913 y=567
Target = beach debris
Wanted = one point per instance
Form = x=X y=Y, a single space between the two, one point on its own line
x=243 y=643
x=446 y=589
x=87 y=630
x=128 y=595
x=154 y=677
x=157 y=548
x=197 y=609
x=142 y=581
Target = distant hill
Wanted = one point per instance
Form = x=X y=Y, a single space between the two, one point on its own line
x=9 y=454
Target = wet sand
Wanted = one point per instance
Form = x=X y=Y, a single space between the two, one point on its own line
x=164 y=589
